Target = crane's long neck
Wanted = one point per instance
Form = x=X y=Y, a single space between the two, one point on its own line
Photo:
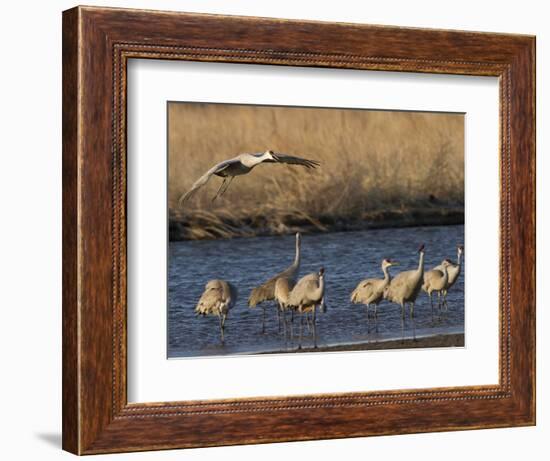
x=262 y=158
x=459 y=257
x=251 y=161
x=387 y=276
x=320 y=291
x=420 y=269
x=445 y=274
x=296 y=263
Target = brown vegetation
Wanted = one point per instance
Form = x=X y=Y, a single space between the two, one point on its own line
x=377 y=168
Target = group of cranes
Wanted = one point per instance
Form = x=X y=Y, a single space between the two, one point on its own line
x=266 y=291
x=219 y=296
x=303 y=296
x=404 y=288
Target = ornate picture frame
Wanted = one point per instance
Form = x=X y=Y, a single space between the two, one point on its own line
x=97 y=44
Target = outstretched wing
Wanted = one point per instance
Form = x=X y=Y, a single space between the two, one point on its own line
x=204 y=179
x=290 y=159
x=266 y=291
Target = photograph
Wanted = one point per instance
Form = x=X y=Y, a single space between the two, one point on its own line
x=266 y=231
x=313 y=229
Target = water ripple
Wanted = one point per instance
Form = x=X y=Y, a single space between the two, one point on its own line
x=348 y=257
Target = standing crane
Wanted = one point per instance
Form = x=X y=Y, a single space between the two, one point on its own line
x=308 y=293
x=436 y=280
x=454 y=273
x=371 y=291
x=283 y=287
x=218 y=298
x=266 y=291
x=405 y=286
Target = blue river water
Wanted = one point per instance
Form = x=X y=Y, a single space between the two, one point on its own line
x=348 y=258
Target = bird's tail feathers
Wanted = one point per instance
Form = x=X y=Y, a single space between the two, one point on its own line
x=354 y=298
x=183 y=198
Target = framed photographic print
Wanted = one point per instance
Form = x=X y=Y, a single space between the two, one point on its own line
x=284 y=230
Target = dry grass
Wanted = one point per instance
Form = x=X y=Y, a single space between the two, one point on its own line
x=372 y=163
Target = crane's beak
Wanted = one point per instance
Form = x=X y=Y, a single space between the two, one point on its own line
x=394 y=263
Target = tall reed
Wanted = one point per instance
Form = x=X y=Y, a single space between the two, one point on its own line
x=372 y=162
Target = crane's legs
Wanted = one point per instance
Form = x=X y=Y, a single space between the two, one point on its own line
x=308 y=323
x=222 y=326
x=368 y=318
x=431 y=305
x=287 y=323
x=263 y=319
x=314 y=328
x=301 y=330
x=227 y=186
x=218 y=193
x=445 y=300
x=281 y=312
x=413 y=321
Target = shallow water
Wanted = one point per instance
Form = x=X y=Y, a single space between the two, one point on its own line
x=348 y=258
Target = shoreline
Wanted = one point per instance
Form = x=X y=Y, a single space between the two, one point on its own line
x=221 y=226
x=437 y=340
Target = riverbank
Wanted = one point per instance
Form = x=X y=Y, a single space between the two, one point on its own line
x=425 y=342
x=201 y=225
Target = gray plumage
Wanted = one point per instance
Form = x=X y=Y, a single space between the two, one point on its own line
x=453 y=271
x=371 y=291
x=308 y=292
x=243 y=164
x=283 y=287
x=218 y=298
x=266 y=291
x=436 y=280
x=405 y=286
x=306 y=295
